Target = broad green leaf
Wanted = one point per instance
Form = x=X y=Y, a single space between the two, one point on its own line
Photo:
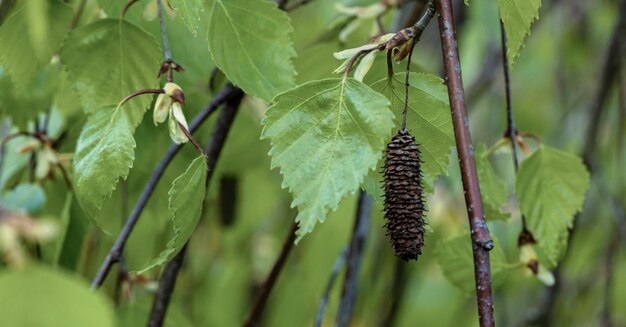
x=105 y=152
x=25 y=197
x=428 y=119
x=40 y=296
x=185 y=206
x=27 y=43
x=326 y=135
x=455 y=258
x=109 y=59
x=517 y=16
x=190 y=11
x=249 y=41
x=492 y=187
x=550 y=187
x=428 y=116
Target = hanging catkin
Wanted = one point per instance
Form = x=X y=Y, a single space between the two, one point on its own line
x=404 y=203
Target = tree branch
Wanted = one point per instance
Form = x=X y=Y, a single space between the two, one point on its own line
x=329 y=286
x=355 y=256
x=113 y=256
x=167 y=282
x=481 y=241
x=254 y=315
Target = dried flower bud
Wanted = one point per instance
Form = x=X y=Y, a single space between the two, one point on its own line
x=404 y=203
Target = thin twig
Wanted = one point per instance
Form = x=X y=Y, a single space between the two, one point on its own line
x=397 y=293
x=78 y=14
x=167 y=282
x=609 y=267
x=355 y=256
x=114 y=254
x=481 y=241
x=341 y=259
x=166 y=44
x=511 y=131
x=254 y=316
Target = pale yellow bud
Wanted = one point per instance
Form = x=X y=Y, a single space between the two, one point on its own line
x=177 y=116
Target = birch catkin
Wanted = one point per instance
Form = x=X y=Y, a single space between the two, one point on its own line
x=404 y=202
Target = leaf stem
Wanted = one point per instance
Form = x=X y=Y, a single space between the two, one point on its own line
x=191 y=138
x=118 y=247
x=254 y=315
x=127 y=6
x=481 y=240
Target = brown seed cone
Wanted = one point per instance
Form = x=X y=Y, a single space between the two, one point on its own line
x=404 y=198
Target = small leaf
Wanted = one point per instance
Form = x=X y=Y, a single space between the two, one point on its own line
x=249 y=41
x=109 y=59
x=185 y=206
x=517 y=16
x=105 y=152
x=22 y=52
x=550 y=187
x=190 y=11
x=26 y=197
x=40 y=296
x=455 y=258
x=326 y=135
x=492 y=187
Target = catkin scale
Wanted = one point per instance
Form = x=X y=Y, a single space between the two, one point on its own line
x=404 y=199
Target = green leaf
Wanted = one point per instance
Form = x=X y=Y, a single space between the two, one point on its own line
x=26 y=197
x=492 y=187
x=517 y=16
x=551 y=186
x=428 y=119
x=455 y=258
x=249 y=41
x=185 y=206
x=428 y=116
x=24 y=50
x=104 y=153
x=109 y=59
x=40 y=296
x=326 y=135
x=190 y=11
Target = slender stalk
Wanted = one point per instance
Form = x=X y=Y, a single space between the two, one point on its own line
x=116 y=250
x=167 y=53
x=78 y=14
x=355 y=256
x=167 y=282
x=127 y=6
x=406 y=86
x=254 y=316
x=191 y=138
x=341 y=259
x=511 y=131
x=481 y=241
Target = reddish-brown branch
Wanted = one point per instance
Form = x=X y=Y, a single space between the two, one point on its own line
x=481 y=241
